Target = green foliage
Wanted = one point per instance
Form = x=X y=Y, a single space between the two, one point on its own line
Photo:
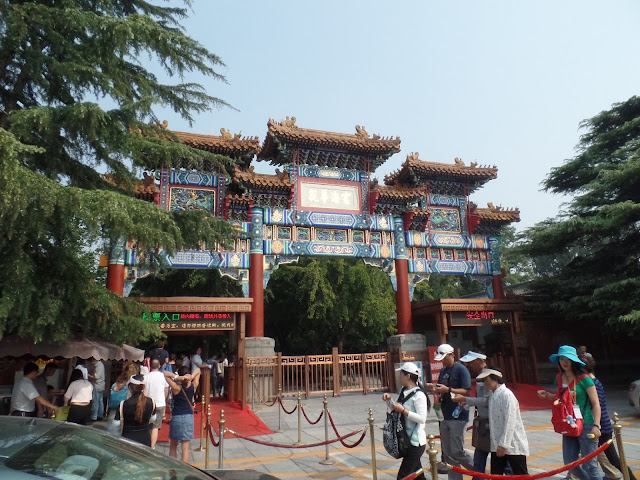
x=446 y=286
x=325 y=303
x=194 y=283
x=596 y=240
x=60 y=63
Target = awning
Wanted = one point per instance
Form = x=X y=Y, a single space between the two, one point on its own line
x=14 y=346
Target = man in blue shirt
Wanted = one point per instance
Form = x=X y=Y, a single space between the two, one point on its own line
x=454 y=379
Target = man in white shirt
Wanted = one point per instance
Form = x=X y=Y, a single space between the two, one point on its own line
x=25 y=396
x=508 y=439
x=98 y=381
x=156 y=387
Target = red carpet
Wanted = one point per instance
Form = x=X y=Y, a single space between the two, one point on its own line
x=245 y=422
x=527 y=396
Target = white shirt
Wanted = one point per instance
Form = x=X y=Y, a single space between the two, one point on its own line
x=24 y=395
x=154 y=385
x=80 y=391
x=417 y=417
x=505 y=424
x=196 y=359
x=220 y=366
x=99 y=374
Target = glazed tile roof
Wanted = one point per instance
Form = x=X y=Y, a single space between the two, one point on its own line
x=497 y=214
x=224 y=144
x=398 y=192
x=361 y=144
x=280 y=180
x=414 y=167
x=143 y=187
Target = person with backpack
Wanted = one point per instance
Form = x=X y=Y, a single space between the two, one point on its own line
x=585 y=396
x=609 y=460
x=159 y=353
x=413 y=406
x=118 y=393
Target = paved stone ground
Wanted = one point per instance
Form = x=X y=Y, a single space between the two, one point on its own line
x=350 y=412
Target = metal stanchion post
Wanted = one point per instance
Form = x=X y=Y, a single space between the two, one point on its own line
x=374 y=465
x=617 y=428
x=279 y=408
x=253 y=390
x=299 y=442
x=202 y=420
x=221 y=423
x=433 y=456
x=207 y=440
x=327 y=460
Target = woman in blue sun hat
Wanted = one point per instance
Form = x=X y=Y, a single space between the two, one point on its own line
x=570 y=367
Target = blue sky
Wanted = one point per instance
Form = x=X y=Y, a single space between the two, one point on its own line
x=502 y=83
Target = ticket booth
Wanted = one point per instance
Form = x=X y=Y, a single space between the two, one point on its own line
x=204 y=316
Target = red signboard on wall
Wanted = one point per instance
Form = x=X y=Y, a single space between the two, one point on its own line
x=434 y=367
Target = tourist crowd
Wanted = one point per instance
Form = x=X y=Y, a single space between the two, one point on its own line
x=498 y=430
x=142 y=396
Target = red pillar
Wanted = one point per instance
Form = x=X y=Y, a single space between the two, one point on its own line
x=115 y=278
x=256 y=291
x=115 y=267
x=403 y=303
x=498 y=286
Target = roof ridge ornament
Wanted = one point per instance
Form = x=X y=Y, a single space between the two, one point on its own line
x=413 y=156
x=289 y=122
x=361 y=131
x=459 y=162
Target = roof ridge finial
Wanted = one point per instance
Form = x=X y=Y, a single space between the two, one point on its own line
x=289 y=122
x=361 y=131
x=413 y=156
x=459 y=162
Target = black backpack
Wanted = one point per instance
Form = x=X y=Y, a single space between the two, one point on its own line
x=394 y=434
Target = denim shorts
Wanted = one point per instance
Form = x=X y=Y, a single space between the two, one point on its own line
x=181 y=427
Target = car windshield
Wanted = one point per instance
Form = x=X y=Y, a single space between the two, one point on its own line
x=69 y=452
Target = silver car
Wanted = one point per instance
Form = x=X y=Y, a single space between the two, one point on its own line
x=33 y=448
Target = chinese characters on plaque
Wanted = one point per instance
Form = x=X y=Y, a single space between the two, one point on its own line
x=192 y=321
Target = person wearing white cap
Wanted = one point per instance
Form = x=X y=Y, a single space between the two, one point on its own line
x=480 y=439
x=414 y=405
x=509 y=443
x=453 y=379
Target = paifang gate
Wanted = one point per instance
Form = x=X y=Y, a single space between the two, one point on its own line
x=322 y=201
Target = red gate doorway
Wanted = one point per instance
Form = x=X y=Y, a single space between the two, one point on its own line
x=204 y=316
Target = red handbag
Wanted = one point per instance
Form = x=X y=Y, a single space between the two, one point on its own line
x=565 y=413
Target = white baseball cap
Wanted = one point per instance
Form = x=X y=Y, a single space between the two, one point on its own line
x=409 y=367
x=443 y=350
x=471 y=356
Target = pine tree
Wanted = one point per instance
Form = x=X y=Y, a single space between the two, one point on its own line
x=596 y=240
x=76 y=101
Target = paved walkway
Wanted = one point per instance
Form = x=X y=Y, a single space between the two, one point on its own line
x=350 y=412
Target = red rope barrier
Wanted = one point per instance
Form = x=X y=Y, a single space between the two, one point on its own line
x=569 y=466
x=211 y=431
x=415 y=474
x=285 y=410
x=261 y=400
x=305 y=416
x=280 y=445
x=346 y=445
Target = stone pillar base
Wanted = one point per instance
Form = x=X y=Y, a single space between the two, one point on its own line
x=259 y=347
x=407 y=342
